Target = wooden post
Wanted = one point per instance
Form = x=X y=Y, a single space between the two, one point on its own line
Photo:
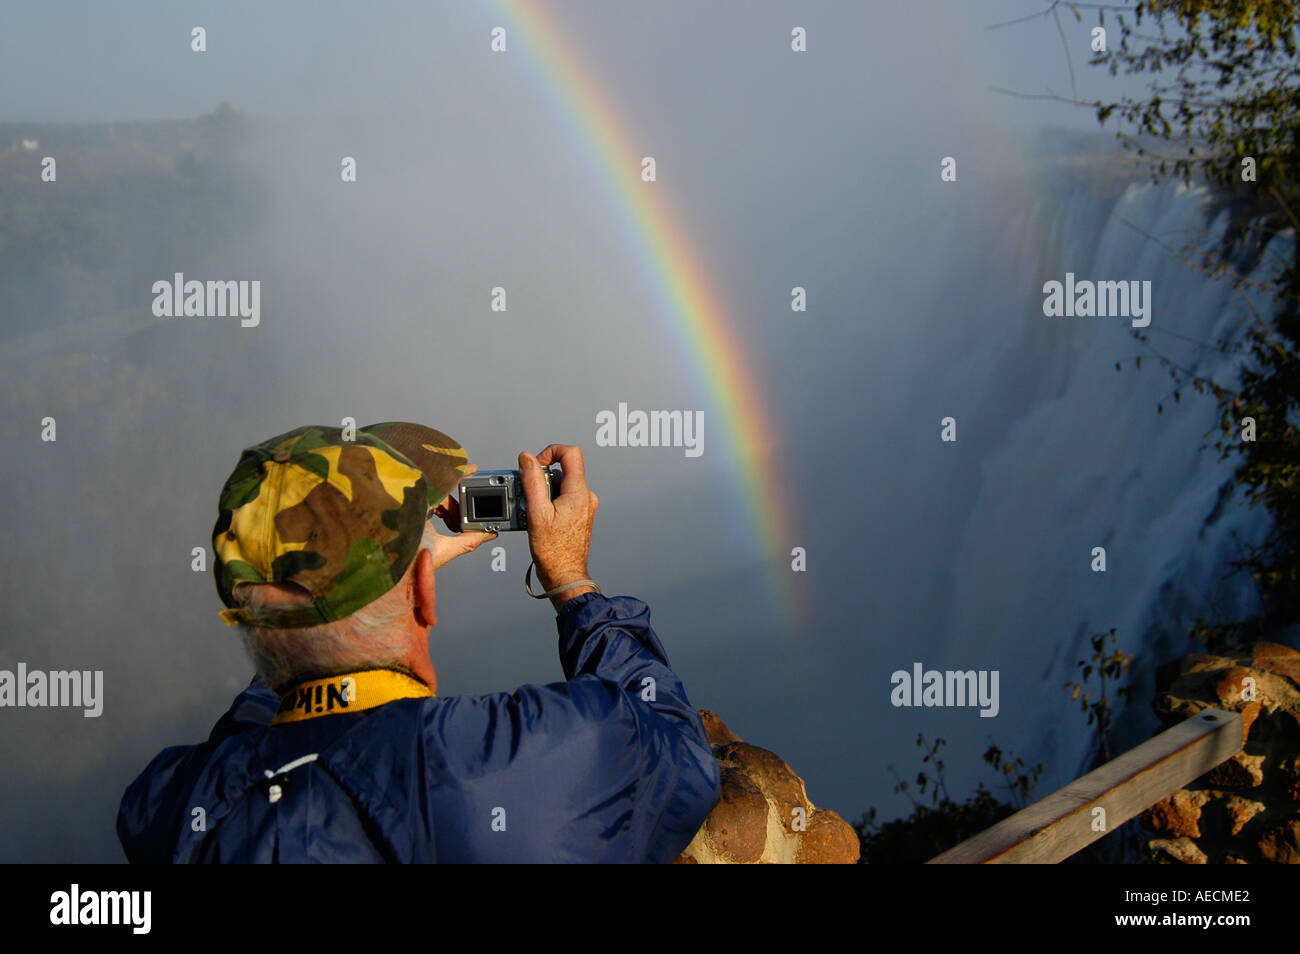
x=1057 y=826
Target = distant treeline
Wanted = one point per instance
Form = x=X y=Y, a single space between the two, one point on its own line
x=132 y=202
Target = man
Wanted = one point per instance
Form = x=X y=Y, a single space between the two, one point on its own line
x=340 y=751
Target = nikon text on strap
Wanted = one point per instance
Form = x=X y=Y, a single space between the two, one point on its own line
x=349 y=692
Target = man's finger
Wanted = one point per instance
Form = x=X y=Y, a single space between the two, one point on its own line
x=536 y=493
x=471 y=540
x=449 y=511
x=569 y=458
x=448 y=548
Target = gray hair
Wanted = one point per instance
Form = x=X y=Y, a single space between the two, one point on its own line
x=374 y=637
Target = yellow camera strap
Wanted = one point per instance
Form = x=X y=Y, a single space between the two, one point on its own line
x=349 y=692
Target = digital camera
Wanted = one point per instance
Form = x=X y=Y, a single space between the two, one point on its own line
x=493 y=500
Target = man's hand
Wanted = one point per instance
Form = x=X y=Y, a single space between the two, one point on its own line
x=559 y=531
x=447 y=548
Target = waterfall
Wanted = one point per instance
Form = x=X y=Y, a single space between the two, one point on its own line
x=977 y=555
x=1081 y=458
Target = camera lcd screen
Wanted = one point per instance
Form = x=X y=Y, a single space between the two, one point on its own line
x=487 y=505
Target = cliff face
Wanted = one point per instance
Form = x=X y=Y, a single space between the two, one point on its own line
x=1246 y=810
x=765 y=815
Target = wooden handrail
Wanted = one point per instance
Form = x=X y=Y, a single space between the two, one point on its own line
x=1057 y=826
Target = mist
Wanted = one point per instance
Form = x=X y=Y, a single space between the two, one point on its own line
x=818 y=170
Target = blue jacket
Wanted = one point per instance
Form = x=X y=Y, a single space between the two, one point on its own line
x=590 y=769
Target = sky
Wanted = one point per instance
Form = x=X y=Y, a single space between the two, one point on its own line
x=86 y=62
x=475 y=171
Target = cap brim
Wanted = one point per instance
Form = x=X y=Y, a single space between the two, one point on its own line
x=439 y=457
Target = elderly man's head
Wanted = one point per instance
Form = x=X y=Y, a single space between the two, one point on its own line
x=324 y=553
x=388 y=633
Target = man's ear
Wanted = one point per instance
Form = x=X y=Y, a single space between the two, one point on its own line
x=425 y=596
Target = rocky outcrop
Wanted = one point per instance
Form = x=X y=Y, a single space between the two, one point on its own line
x=1246 y=810
x=765 y=815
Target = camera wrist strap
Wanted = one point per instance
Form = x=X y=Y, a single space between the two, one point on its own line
x=528 y=585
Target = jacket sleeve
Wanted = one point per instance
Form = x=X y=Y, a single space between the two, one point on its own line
x=610 y=765
x=611 y=640
x=161 y=789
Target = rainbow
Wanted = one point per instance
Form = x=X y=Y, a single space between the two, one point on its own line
x=714 y=345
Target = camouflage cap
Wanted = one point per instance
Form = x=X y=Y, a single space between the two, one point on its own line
x=341 y=518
